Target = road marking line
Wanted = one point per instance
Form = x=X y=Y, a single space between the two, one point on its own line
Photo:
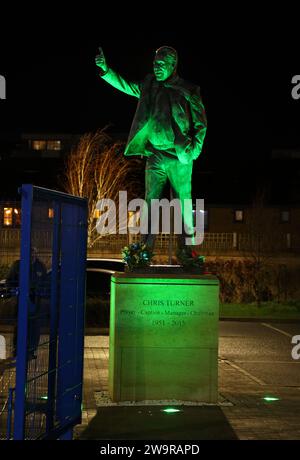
x=276 y=329
x=250 y=376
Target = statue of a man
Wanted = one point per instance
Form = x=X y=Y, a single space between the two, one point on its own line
x=168 y=128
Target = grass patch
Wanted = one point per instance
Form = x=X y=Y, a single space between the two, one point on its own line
x=270 y=310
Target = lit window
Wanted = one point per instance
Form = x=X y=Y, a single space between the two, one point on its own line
x=39 y=145
x=7 y=217
x=53 y=145
x=238 y=215
x=133 y=218
x=17 y=216
x=285 y=216
x=50 y=213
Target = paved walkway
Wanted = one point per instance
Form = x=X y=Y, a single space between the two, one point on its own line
x=243 y=413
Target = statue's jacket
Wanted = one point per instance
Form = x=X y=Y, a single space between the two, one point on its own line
x=187 y=113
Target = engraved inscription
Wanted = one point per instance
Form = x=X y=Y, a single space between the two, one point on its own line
x=170 y=317
x=168 y=303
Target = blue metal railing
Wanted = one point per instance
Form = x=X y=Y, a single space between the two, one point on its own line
x=45 y=401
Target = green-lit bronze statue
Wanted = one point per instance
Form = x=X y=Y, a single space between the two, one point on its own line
x=169 y=128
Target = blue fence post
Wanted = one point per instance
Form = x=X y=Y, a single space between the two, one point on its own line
x=82 y=249
x=23 y=307
x=71 y=320
x=54 y=308
x=9 y=413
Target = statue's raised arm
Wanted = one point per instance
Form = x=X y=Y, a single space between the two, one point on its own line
x=114 y=79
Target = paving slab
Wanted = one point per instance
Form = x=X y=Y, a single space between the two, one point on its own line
x=242 y=412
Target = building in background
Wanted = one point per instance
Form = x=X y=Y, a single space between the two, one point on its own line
x=38 y=158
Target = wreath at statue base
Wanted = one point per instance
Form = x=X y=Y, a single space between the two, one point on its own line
x=137 y=258
x=190 y=260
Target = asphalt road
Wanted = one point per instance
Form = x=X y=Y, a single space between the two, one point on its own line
x=262 y=351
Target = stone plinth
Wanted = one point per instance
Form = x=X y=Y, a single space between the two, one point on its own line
x=164 y=337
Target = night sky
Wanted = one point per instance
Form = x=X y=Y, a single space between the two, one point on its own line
x=53 y=86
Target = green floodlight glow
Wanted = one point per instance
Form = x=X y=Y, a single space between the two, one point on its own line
x=170 y=410
x=44 y=397
x=270 y=398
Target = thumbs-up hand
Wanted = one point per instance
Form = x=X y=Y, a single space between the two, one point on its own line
x=101 y=61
